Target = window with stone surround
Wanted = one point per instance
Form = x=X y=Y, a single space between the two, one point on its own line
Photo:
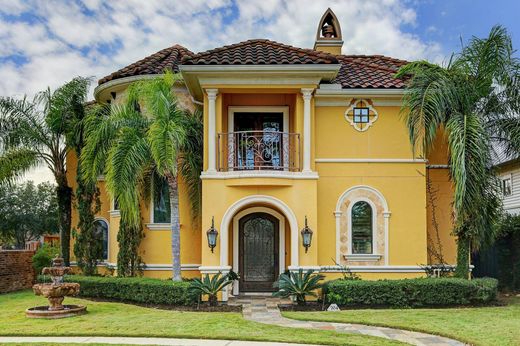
x=362 y=227
x=361 y=114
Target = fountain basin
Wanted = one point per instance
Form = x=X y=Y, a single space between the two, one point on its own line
x=44 y=312
x=55 y=292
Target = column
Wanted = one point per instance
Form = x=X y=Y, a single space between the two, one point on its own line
x=212 y=135
x=307 y=95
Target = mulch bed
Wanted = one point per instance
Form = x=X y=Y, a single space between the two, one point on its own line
x=310 y=306
x=202 y=307
x=318 y=306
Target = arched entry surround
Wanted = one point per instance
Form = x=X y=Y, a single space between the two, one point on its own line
x=281 y=245
x=251 y=201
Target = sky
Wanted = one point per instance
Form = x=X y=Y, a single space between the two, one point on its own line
x=44 y=43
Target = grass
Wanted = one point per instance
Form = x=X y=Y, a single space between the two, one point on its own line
x=117 y=319
x=497 y=326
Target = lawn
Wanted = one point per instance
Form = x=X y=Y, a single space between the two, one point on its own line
x=497 y=326
x=116 y=319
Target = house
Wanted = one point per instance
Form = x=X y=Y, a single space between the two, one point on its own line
x=295 y=141
x=509 y=174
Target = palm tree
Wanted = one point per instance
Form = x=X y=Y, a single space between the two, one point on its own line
x=474 y=102
x=134 y=149
x=30 y=137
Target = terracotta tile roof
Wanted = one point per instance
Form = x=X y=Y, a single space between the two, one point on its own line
x=357 y=71
x=369 y=71
x=154 y=64
x=259 y=52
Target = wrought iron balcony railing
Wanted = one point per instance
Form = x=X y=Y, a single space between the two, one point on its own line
x=258 y=150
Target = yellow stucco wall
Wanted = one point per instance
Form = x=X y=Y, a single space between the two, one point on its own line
x=402 y=183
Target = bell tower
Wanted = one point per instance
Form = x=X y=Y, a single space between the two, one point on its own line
x=328 y=35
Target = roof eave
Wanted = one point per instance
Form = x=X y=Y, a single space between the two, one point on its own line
x=328 y=91
x=197 y=75
x=102 y=91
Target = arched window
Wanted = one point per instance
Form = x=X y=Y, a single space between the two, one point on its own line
x=161 y=202
x=362 y=232
x=101 y=231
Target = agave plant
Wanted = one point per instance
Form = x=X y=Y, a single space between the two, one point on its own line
x=298 y=285
x=211 y=286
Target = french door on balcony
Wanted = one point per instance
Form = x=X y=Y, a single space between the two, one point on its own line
x=258 y=141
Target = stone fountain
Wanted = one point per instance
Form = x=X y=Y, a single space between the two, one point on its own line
x=55 y=292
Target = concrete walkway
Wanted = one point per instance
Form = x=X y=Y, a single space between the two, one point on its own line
x=135 y=341
x=265 y=310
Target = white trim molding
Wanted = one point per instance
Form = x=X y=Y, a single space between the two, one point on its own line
x=304 y=268
x=357 y=92
x=362 y=257
x=114 y=213
x=259 y=174
x=374 y=269
x=214 y=269
x=121 y=82
x=236 y=230
x=368 y=160
x=200 y=76
x=212 y=134
x=251 y=201
x=158 y=226
x=168 y=267
x=307 y=97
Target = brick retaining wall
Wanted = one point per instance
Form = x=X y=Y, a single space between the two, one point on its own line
x=16 y=271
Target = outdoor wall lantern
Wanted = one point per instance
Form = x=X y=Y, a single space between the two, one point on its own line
x=212 y=234
x=306 y=236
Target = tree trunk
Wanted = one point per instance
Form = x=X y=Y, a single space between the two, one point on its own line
x=213 y=300
x=463 y=248
x=64 y=194
x=175 y=227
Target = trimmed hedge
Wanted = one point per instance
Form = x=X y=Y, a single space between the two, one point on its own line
x=138 y=290
x=411 y=292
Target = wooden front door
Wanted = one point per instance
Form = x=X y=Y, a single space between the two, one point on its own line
x=258 y=252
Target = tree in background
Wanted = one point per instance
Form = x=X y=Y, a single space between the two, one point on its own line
x=133 y=150
x=474 y=101
x=29 y=137
x=27 y=212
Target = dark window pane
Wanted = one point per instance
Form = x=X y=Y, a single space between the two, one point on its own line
x=116 y=204
x=361 y=115
x=101 y=233
x=362 y=228
x=161 y=203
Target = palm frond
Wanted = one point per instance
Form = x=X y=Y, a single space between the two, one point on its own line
x=15 y=163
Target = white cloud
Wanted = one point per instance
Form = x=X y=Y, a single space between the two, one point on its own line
x=93 y=37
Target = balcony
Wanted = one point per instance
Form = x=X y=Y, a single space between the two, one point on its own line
x=258 y=150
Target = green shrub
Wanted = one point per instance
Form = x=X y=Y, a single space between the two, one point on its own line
x=298 y=285
x=137 y=290
x=211 y=286
x=411 y=292
x=43 y=257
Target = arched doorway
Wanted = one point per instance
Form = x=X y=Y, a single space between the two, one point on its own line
x=258 y=235
x=258 y=248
